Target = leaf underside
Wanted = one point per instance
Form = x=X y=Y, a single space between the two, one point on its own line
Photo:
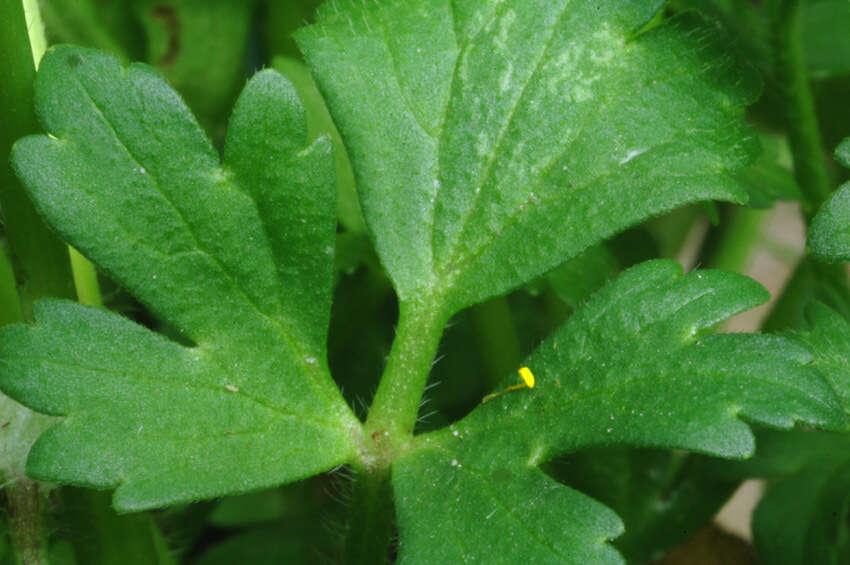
x=236 y=255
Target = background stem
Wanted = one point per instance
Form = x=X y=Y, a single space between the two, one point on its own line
x=800 y=113
x=39 y=259
x=85 y=279
x=740 y=235
x=371 y=519
x=23 y=503
x=811 y=278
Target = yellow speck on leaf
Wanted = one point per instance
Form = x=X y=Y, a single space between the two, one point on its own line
x=527 y=376
x=527 y=379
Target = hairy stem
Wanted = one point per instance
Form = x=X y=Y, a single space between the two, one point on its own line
x=800 y=114
x=396 y=404
x=371 y=519
x=23 y=502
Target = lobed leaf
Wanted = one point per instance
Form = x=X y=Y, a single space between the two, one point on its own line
x=629 y=367
x=829 y=234
x=237 y=256
x=492 y=141
x=663 y=497
x=803 y=517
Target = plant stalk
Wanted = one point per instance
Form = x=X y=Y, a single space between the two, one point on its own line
x=396 y=404
x=23 y=503
x=101 y=536
x=741 y=233
x=83 y=272
x=10 y=302
x=800 y=114
x=85 y=279
x=39 y=259
x=371 y=519
x=811 y=278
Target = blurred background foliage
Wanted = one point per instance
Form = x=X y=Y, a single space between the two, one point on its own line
x=208 y=48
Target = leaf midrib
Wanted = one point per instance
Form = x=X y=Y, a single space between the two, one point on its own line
x=277 y=411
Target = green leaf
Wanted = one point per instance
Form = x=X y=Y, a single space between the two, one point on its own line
x=827 y=45
x=492 y=141
x=199 y=46
x=319 y=123
x=829 y=235
x=663 y=497
x=770 y=178
x=842 y=153
x=238 y=257
x=803 y=519
x=110 y=26
x=631 y=366
x=582 y=275
x=828 y=340
x=267 y=546
x=252 y=508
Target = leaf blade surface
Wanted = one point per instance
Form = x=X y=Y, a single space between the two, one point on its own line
x=631 y=366
x=493 y=141
x=218 y=251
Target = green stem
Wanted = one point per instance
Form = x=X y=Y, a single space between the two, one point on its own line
x=371 y=519
x=396 y=405
x=85 y=279
x=83 y=272
x=811 y=278
x=23 y=502
x=103 y=537
x=497 y=339
x=389 y=428
x=10 y=301
x=39 y=258
x=800 y=114
x=35 y=30
x=740 y=235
